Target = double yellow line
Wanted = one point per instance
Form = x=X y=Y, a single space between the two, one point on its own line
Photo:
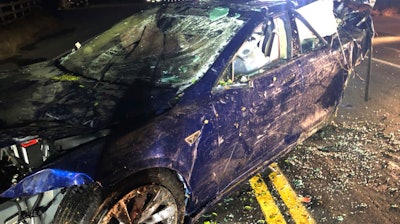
x=268 y=205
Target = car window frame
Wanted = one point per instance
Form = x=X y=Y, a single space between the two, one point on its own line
x=323 y=41
x=288 y=28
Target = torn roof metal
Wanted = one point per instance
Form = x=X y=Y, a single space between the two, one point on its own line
x=320 y=16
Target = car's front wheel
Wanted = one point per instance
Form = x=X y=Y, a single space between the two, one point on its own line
x=153 y=196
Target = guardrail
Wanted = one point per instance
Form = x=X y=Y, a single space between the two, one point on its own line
x=13 y=10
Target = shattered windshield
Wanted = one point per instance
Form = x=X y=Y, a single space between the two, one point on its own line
x=171 y=46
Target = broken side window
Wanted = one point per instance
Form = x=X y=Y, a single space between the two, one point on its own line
x=265 y=48
x=316 y=24
x=308 y=40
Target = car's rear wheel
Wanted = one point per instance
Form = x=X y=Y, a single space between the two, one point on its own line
x=153 y=196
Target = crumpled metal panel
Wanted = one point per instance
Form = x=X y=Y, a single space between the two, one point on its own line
x=45 y=180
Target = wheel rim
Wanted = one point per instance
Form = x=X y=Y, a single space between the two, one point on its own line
x=147 y=204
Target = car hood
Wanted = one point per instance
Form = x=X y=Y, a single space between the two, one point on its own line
x=129 y=73
x=45 y=101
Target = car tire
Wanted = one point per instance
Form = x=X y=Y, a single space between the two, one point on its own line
x=151 y=196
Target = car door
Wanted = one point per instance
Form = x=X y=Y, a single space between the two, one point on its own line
x=275 y=93
x=254 y=97
x=241 y=112
x=276 y=90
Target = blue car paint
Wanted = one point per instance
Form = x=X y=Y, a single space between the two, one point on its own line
x=45 y=180
x=162 y=154
x=164 y=145
x=235 y=126
x=161 y=143
x=86 y=157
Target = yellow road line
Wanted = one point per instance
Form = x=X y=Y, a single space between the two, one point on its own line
x=297 y=211
x=270 y=210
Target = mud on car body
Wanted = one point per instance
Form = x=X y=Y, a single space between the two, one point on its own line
x=169 y=110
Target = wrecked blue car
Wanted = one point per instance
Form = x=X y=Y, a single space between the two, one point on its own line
x=168 y=111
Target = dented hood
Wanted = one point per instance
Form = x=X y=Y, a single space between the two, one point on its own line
x=42 y=100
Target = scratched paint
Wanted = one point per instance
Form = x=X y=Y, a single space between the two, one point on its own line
x=244 y=125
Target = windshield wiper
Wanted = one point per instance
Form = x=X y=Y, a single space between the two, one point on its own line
x=136 y=43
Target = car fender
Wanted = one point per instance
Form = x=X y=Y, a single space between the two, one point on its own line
x=45 y=180
x=74 y=167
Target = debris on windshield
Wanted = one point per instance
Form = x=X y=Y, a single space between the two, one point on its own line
x=66 y=77
x=218 y=13
x=157 y=47
x=78 y=45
